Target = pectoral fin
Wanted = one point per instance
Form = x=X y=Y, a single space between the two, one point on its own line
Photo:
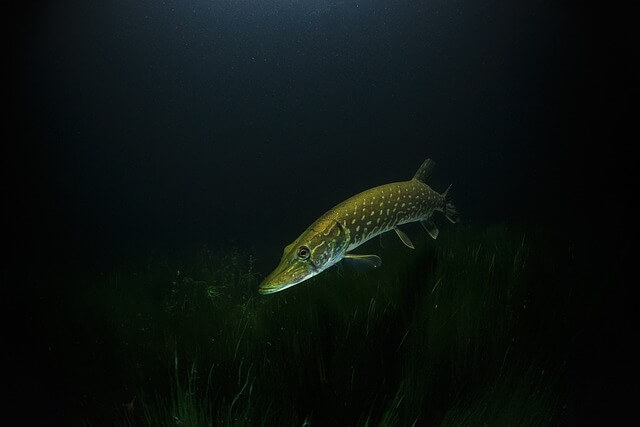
x=431 y=228
x=363 y=262
x=405 y=239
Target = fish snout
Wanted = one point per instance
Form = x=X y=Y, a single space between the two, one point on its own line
x=283 y=278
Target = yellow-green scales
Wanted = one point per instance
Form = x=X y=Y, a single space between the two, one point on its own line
x=351 y=223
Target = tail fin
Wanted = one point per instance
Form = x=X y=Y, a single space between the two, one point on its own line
x=449 y=210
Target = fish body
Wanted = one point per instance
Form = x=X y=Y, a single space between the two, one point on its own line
x=351 y=223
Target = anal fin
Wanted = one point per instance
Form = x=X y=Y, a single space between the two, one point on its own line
x=405 y=239
x=450 y=211
x=363 y=262
x=431 y=228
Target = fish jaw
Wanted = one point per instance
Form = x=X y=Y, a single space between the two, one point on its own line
x=285 y=276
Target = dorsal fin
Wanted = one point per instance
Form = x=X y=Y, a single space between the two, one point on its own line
x=424 y=172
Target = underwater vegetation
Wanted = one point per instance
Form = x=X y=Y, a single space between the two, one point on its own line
x=468 y=329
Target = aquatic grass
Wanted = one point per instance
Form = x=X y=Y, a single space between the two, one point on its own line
x=461 y=330
x=182 y=405
x=432 y=336
x=523 y=398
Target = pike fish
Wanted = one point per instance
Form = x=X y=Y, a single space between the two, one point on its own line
x=333 y=236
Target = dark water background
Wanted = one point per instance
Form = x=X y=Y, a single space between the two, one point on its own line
x=157 y=127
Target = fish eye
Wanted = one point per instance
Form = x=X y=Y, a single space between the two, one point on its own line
x=304 y=252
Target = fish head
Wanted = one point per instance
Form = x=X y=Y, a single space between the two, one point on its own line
x=318 y=248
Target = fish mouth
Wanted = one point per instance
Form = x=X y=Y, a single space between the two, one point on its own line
x=276 y=282
x=267 y=290
x=268 y=287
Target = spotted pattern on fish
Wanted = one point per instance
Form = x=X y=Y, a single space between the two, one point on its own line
x=356 y=220
x=401 y=202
